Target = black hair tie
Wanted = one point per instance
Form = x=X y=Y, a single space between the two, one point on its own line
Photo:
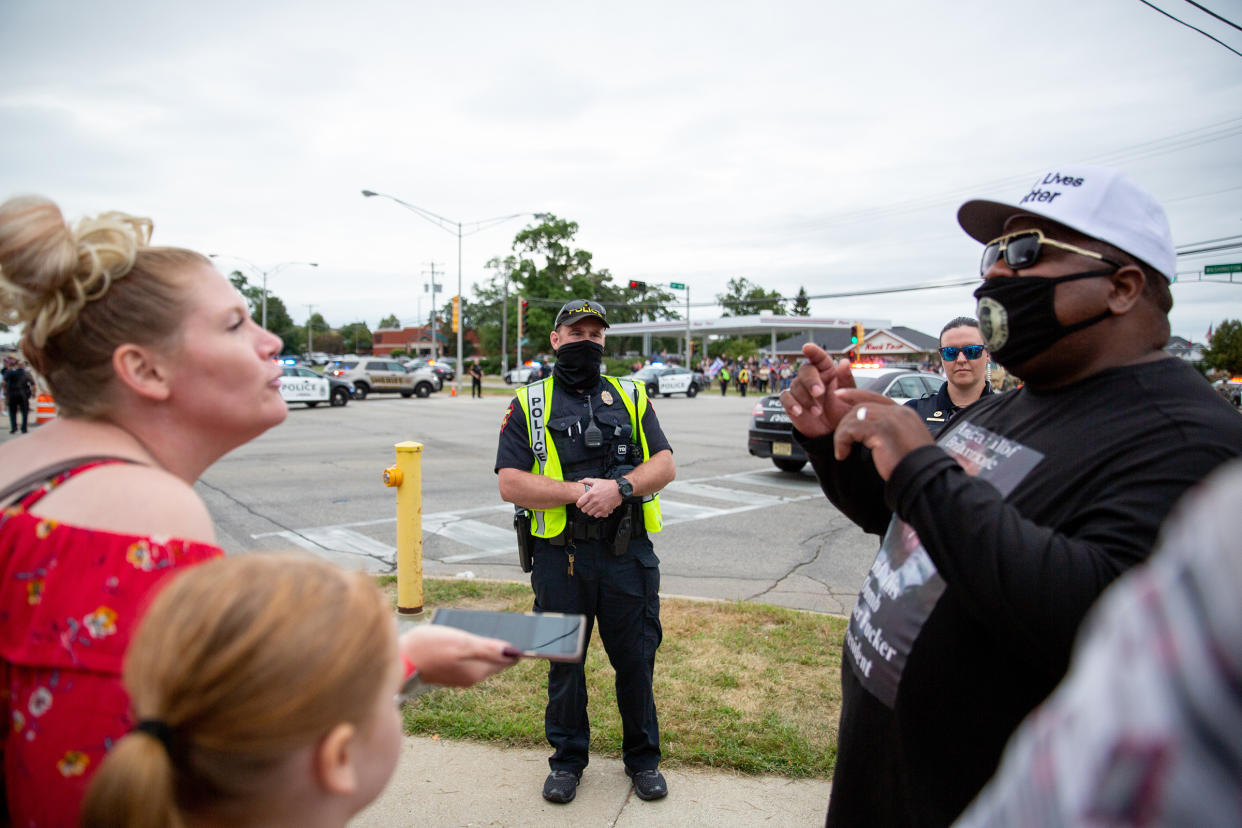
x=161 y=732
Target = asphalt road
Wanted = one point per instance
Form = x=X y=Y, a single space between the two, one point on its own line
x=735 y=526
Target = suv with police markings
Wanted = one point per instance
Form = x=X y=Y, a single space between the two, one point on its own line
x=374 y=375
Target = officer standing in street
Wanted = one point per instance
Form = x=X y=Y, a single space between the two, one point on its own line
x=583 y=456
x=18 y=388
x=476 y=380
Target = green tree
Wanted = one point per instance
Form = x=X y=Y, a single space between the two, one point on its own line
x=484 y=315
x=737 y=348
x=356 y=336
x=279 y=321
x=389 y=321
x=317 y=323
x=548 y=270
x=253 y=294
x=802 y=305
x=1224 y=352
x=329 y=342
x=744 y=298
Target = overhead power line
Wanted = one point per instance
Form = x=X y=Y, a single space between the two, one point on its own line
x=1210 y=249
x=1186 y=139
x=1188 y=26
x=1214 y=14
x=1210 y=241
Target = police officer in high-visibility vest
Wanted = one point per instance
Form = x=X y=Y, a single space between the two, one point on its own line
x=584 y=456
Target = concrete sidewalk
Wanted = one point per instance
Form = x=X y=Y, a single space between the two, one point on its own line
x=443 y=783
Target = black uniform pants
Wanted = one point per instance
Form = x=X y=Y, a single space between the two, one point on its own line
x=622 y=594
x=476 y=388
x=21 y=404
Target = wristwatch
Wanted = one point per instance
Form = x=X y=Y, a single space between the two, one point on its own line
x=625 y=487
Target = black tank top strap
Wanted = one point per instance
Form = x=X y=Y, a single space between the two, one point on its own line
x=31 y=488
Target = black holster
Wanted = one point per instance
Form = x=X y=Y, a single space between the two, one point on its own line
x=525 y=541
x=625 y=530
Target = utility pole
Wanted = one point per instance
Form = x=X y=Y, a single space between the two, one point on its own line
x=309 y=342
x=504 y=327
x=431 y=321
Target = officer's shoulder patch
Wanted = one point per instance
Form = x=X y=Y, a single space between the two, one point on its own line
x=508 y=413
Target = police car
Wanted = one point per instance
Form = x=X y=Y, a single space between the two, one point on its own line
x=372 y=375
x=771 y=432
x=669 y=379
x=524 y=373
x=302 y=385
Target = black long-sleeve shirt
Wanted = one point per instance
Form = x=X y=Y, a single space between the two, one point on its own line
x=997 y=540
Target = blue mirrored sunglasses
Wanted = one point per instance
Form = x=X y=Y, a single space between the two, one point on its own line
x=949 y=353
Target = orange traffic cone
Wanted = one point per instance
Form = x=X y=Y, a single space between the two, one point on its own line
x=453 y=391
x=45 y=409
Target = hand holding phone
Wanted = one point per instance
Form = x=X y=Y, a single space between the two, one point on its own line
x=454 y=658
x=550 y=635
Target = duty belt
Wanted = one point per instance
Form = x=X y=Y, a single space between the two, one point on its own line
x=606 y=529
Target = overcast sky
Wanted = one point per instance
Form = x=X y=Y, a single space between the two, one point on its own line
x=798 y=144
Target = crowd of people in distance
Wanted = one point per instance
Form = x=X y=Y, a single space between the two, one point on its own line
x=766 y=375
x=1049 y=633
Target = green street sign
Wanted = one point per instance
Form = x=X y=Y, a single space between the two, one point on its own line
x=1210 y=270
x=676 y=285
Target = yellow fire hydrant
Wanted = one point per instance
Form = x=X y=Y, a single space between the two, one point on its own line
x=407 y=478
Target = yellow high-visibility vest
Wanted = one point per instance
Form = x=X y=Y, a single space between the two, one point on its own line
x=536 y=400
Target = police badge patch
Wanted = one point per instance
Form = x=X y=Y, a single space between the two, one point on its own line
x=606 y=396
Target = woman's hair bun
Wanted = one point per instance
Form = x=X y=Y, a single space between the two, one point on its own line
x=49 y=272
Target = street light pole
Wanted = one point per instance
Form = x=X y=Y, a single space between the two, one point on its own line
x=460 y=321
x=310 y=311
x=686 y=288
x=504 y=327
x=448 y=225
x=272 y=271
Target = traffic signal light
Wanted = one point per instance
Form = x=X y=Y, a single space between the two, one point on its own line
x=456 y=313
x=636 y=285
x=857 y=333
x=523 y=308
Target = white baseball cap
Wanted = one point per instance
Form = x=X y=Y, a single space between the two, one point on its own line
x=1099 y=202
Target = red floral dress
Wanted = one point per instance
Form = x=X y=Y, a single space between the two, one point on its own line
x=70 y=599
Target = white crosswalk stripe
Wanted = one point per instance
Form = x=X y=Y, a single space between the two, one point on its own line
x=352 y=549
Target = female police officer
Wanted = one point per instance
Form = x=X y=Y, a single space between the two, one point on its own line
x=584 y=455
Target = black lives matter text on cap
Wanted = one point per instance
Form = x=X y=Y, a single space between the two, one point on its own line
x=1050 y=180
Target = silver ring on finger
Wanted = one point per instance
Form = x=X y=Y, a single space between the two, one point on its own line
x=862 y=413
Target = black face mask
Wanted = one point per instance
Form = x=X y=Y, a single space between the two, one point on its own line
x=578 y=363
x=1017 y=315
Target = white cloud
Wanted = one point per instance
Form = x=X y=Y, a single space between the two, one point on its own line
x=795 y=143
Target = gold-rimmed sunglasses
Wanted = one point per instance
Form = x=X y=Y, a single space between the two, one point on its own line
x=1022 y=248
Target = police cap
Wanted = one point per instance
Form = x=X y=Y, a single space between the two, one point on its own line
x=577 y=309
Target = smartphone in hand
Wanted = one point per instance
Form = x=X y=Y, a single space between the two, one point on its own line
x=551 y=635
